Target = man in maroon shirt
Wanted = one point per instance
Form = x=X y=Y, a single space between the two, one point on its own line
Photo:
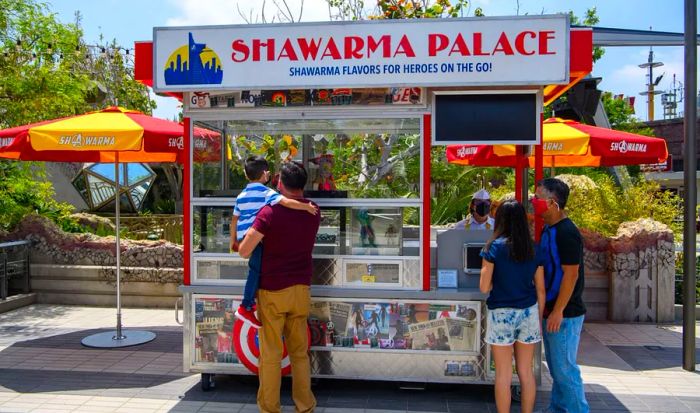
x=283 y=297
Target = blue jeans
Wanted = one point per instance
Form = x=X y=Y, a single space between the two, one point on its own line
x=560 y=351
x=253 y=280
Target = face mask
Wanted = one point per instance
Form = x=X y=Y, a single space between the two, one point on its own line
x=540 y=205
x=482 y=208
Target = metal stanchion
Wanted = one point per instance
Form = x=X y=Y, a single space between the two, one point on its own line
x=690 y=185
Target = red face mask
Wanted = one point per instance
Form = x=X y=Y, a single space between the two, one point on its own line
x=540 y=205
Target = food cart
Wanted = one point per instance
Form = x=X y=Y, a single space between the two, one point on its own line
x=359 y=104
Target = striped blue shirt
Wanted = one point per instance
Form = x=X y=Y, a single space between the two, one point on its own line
x=249 y=203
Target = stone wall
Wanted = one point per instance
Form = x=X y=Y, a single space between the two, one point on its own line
x=639 y=264
x=642 y=267
x=595 y=252
x=51 y=245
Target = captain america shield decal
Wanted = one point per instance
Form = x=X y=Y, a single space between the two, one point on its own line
x=247 y=345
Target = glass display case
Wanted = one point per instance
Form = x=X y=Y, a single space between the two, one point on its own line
x=357 y=337
x=212 y=228
x=376 y=231
x=363 y=174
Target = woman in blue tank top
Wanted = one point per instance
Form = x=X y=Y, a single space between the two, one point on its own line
x=512 y=274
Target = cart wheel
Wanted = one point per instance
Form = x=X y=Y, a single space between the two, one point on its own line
x=515 y=393
x=207 y=381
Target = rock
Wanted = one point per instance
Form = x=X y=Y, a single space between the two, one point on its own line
x=639 y=235
x=594 y=241
x=93 y=222
x=578 y=182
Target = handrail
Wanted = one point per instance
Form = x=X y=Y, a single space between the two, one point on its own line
x=14 y=244
x=14 y=263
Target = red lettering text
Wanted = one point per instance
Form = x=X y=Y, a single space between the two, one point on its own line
x=405 y=48
x=478 y=45
x=331 y=50
x=503 y=45
x=436 y=43
x=520 y=43
x=545 y=37
x=288 y=51
x=239 y=47
x=309 y=49
x=460 y=46
x=373 y=45
x=353 y=47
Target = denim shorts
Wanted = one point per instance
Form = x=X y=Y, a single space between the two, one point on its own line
x=505 y=326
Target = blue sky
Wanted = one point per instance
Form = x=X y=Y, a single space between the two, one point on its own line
x=129 y=20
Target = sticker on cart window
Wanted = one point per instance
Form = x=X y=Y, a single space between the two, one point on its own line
x=247 y=345
x=368 y=278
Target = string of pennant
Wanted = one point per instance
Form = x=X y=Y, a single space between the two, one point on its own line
x=105 y=52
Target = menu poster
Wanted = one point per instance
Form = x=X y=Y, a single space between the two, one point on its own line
x=214 y=319
x=320 y=310
x=340 y=315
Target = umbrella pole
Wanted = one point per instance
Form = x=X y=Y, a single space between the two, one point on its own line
x=116 y=339
x=117 y=199
x=552 y=171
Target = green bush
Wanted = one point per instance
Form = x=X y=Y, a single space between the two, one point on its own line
x=24 y=190
x=604 y=207
x=598 y=204
x=164 y=206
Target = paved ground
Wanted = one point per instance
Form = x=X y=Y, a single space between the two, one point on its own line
x=43 y=368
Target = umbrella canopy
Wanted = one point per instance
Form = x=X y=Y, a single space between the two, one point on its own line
x=568 y=143
x=96 y=137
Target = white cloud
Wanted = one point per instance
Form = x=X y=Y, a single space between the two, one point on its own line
x=193 y=12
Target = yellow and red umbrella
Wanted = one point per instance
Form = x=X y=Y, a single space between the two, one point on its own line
x=96 y=137
x=569 y=143
x=114 y=135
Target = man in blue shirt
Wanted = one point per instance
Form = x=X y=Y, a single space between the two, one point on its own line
x=561 y=246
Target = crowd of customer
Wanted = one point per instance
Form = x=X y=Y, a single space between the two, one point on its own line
x=534 y=289
x=535 y=294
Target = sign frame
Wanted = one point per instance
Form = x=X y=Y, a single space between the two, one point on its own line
x=539 y=106
x=561 y=68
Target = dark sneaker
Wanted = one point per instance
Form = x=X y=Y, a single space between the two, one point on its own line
x=248 y=316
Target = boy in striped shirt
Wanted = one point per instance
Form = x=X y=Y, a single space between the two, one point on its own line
x=248 y=203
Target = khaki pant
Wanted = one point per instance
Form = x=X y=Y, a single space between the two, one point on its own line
x=284 y=313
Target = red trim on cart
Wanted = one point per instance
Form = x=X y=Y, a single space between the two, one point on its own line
x=539 y=174
x=186 y=196
x=427 y=155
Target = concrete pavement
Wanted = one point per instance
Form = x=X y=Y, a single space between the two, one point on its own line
x=44 y=368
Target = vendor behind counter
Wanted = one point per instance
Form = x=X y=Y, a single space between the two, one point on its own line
x=479 y=217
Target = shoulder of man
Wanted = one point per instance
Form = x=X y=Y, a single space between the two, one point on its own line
x=566 y=228
x=265 y=213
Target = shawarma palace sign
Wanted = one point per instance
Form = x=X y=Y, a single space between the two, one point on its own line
x=479 y=51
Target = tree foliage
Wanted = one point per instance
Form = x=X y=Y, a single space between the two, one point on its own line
x=605 y=207
x=420 y=9
x=37 y=62
x=590 y=19
x=621 y=116
x=48 y=71
x=21 y=194
x=399 y=9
